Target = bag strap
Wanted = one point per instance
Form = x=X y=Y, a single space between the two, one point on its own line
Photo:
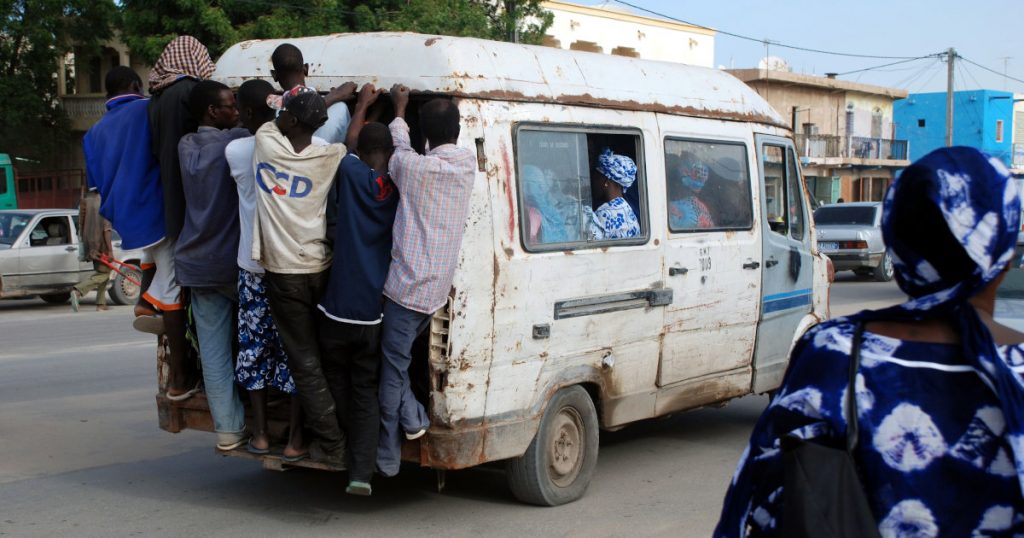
x=851 y=389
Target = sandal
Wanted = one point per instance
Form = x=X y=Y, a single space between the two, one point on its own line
x=252 y=449
x=295 y=458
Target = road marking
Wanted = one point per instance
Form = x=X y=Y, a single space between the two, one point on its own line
x=98 y=348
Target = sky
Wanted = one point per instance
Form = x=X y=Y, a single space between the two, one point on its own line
x=984 y=31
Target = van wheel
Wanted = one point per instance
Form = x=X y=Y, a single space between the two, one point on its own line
x=56 y=298
x=122 y=291
x=884 y=271
x=559 y=463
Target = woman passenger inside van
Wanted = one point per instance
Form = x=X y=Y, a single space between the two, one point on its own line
x=552 y=217
x=614 y=218
x=686 y=210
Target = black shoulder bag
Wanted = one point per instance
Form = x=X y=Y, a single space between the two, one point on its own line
x=822 y=494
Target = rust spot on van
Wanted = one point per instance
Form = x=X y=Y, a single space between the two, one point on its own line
x=431 y=41
x=508 y=191
x=657 y=242
x=509 y=252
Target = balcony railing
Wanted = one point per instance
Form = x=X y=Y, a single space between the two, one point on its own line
x=84 y=110
x=855 y=147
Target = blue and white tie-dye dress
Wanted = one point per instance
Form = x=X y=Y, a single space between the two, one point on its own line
x=933 y=452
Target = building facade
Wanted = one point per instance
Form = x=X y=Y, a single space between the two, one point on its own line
x=608 y=30
x=844 y=131
x=981 y=118
x=83 y=93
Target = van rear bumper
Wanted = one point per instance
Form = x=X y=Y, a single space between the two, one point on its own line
x=466 y=446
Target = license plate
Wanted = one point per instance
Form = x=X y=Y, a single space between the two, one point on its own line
x=828 y=245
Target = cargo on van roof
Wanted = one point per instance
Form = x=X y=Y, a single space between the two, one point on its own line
x=484 y=69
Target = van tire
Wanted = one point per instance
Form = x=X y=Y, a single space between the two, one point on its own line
x=56 y=298
x=121 y=290
x=568 y=430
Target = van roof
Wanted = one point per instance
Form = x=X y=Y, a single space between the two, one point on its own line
x=484 y=69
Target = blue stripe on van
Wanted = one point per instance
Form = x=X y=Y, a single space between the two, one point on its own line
x=787 y=300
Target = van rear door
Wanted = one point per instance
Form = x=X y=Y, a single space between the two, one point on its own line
x=787 y=270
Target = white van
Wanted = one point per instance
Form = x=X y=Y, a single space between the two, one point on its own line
x=549 y=336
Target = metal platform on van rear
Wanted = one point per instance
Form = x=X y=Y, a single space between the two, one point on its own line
x=274 y=462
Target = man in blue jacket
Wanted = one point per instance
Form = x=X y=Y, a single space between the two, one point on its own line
x=120 y=164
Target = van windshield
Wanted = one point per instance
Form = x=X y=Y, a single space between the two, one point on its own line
x=863 y=215
x=11 y=225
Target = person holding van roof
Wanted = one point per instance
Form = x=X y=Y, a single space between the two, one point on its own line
x=352 y=308
x=294 y=177
x=435 y=191
x=290 y=70
x=204 y=257
x=261 y=361
x=614 y=219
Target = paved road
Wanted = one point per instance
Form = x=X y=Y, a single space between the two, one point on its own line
x=80 y=455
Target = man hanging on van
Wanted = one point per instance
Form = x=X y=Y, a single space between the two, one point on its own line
x=434 y=199
x=294 y=177
x=204 y=258
x=183 y=63
x=351 y=309
x=290 y=70
x=120 y=165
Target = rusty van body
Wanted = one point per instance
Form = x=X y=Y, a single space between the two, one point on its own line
x=550 y=335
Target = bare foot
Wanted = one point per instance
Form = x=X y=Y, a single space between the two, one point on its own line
x=260 y=441
x=292 y=452
x=102 y=307
x=144 y=310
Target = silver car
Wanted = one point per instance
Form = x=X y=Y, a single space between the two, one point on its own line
x=39 y=256
x=851 y=235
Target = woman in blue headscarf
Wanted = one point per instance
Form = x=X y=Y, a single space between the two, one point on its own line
x=614 y=218
x=938 y=391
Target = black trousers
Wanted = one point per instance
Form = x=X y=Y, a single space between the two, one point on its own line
x=293 y=300
x=351 y=362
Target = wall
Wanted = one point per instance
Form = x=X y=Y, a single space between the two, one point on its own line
x=864 y=106
x=974 y=121
x=822 y=107
x=615 y=32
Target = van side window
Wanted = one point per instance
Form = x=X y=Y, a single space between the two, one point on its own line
x=775 y=190
x=565 y=202
x=708 y=186
x=795 y=197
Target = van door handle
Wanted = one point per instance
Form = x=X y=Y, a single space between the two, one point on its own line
x=771 y=262
x=673 y=271
x=751 y=265
x=71 y=249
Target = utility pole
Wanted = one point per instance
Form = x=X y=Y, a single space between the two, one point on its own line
x=950 y=58
x=1006 y=60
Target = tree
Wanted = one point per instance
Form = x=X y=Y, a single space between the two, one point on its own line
x=150 y=24
x=34 y=35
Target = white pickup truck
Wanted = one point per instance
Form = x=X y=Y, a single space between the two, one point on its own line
x=39 y=255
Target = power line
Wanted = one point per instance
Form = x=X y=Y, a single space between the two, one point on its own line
x=888 y=65
x=993 y=71
x=915 y=76
x=771 y=42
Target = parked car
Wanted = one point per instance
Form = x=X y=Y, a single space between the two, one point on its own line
x=851 y=235
x=39 y=256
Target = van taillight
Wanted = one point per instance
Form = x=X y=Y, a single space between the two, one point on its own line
x=853 y=244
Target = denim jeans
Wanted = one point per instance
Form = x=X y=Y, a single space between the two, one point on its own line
x=214 y=310
x=398 y=406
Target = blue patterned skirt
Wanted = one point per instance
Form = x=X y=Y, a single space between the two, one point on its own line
x=261 y=361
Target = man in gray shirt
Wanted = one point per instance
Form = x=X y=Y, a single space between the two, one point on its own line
x=205 y=256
